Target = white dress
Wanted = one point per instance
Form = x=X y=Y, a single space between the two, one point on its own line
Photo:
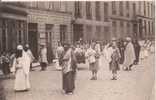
x=22 y=66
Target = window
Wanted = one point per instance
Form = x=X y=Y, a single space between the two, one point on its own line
x=145 y=27
x=19 y=36
x=121 y=8
x=139 y=7
x=78 y=9
x=134 y=9
x=122 y=27
x=144 y=8
x=50 y=5
x=149 y=27
x=4 y=43
x=105 y=11
x=127 y=7
x=148 y=5
x=88 y=10
x=114 y=27
x=152 y=10
x=89 y=35
x=97 y=9
x=106 y=32
x=113 y=7
x=98 y=32
x=128 y=27
x=63 y=30
x=56 y=6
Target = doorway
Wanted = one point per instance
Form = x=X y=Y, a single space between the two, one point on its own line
x=33 y=38
x=49 y=35
x=78 y=32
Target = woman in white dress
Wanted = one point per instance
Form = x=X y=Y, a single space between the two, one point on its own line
x=21 y=65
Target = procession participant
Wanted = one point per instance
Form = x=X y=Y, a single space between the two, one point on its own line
x=12 y=57
x=59 y=55
x=142 y=56
x=5 y=64
x=78 y=53
x=69 y=69
x=146 y=48
x=129 y=55
x=43 y=57
x=32 y=58
x=121 y=47
x=114 y=63
x=93 y=57
x=22 y=65
x=137 y=50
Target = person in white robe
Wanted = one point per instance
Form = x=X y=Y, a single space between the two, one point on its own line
x=22 y=65
x=129 y=55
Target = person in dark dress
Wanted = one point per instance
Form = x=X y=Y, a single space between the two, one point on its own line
x=69 y=69
x=121 y=47
x=137 y=48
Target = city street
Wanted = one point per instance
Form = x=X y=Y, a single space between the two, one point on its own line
x=47 y=85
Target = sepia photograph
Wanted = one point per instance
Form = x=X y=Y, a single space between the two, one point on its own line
x=77 y=50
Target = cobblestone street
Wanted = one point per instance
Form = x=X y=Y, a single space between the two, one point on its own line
x=46 y=85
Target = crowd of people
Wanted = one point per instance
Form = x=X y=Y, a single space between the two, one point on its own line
x=118 y=53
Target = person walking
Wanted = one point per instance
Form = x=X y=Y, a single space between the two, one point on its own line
x=21 y=65
x=115 y=58
x=43 y=57
x=69 y=69
x=28 y=51
x=129 y=55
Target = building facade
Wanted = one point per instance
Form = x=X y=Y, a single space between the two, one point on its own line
x=49 y=22
x=101 y=20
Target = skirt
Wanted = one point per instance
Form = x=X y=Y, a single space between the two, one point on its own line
x=94 y=66
x=68 y=81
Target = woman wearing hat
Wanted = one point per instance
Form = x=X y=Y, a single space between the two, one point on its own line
x=21 y=65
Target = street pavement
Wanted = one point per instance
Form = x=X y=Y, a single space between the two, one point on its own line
x=47 y=85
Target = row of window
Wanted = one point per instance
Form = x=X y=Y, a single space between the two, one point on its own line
x=146 y=25
x=78 y=9
x=55 y=6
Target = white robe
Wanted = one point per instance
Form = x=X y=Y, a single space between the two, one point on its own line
x=22 y=66
x=129 y=55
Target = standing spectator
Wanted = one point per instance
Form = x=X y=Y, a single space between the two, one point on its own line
x=5 y=64
x=22 y=65
x=69 y=69
x=129 y=55
x=28 y=51
x=59 y=54
x=43 y=57
x=114 y=63
x=137 y=51
x=93 y=57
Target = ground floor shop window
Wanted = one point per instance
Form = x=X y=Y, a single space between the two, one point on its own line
x=63 y=30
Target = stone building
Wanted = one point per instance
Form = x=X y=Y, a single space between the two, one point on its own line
x=35 y=23
x=101 y=20
x=49 y=22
